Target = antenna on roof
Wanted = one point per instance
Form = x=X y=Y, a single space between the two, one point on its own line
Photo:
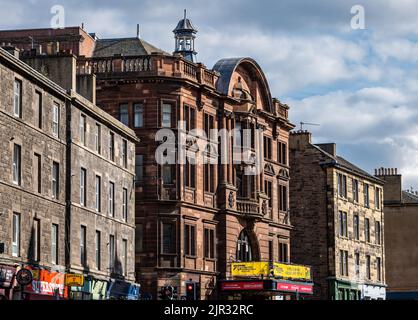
x=137 y=30
x=82 y=25
x=307 y=124
x=32 y=41
x=185 y=12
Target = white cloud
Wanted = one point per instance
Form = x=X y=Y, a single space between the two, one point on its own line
x=359 y=85
x=396 y=48
x=292 y=62
x=382 y=119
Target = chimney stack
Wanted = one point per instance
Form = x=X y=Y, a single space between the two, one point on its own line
x=330 y=148
x=386 y=171
x=393 y=184
x=299 y=140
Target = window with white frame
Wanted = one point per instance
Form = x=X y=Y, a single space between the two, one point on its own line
x=55 y=180
x=54 y=244
x=98 y=203
x=98 y=255
x=83 y=189
x=124 y=257
x=125 y=204
x=17 y=164
x=16 y=235
x=98 y=139
x=111 y=253
x=17 y=98
x=83 y=129
x=111 y=206
x=55 y=119
x=124 y=153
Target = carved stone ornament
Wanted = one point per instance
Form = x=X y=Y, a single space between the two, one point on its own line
x=231 y=200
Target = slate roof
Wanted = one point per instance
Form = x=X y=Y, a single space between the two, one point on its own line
x=125 y=47
x=185 y=25
x=226 y=68
x=408 y=197
x=345 y=164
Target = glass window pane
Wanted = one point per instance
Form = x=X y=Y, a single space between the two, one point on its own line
x=139 y=115
x=17 y=101
x=166 y=118
x=54 y=244
x=124 y=114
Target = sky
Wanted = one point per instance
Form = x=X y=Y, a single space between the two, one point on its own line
x=359 y=84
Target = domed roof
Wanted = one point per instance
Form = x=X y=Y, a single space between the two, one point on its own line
x=185 y=25
x=226 y=68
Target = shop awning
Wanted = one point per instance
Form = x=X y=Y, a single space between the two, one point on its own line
x=97 y=288
x=268 y=285
x=120 y=289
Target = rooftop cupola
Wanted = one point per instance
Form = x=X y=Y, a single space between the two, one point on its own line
x=185 y=34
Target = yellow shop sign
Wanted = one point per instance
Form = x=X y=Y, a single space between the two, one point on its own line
x=74 y=280
x=250 y=269
x=287 y=271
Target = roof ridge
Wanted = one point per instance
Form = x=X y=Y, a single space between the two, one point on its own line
x=131 y=46
x=354 y=167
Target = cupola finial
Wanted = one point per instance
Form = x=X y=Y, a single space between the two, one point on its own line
x=185 y=35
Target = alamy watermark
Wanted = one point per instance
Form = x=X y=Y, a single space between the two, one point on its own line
x=240 y=147
x=58 y=18
x=358 y=21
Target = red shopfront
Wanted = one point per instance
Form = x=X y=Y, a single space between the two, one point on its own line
x=46 y=285
x=263 y=289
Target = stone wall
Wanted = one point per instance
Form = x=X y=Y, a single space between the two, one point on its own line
x=315 y=206
x=66 y=150
x=24 y=198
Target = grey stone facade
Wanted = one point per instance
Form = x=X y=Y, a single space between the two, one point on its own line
x=65 y=210
x=84 y=155
x=316 y=205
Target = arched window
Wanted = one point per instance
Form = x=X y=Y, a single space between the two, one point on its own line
x=244 y=248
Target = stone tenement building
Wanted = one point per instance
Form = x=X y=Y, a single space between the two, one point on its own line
x=192 y=221
x=337 y=216
x=401 y=232
x=66 y=178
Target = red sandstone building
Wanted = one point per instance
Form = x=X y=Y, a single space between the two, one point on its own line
x=192 y=221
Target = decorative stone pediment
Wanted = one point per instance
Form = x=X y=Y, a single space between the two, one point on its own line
x=268 y=169
x=284 y=174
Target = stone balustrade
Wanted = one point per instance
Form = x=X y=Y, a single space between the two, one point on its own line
x=157 y=65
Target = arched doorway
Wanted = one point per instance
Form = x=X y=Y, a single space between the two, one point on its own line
x=246 y=248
